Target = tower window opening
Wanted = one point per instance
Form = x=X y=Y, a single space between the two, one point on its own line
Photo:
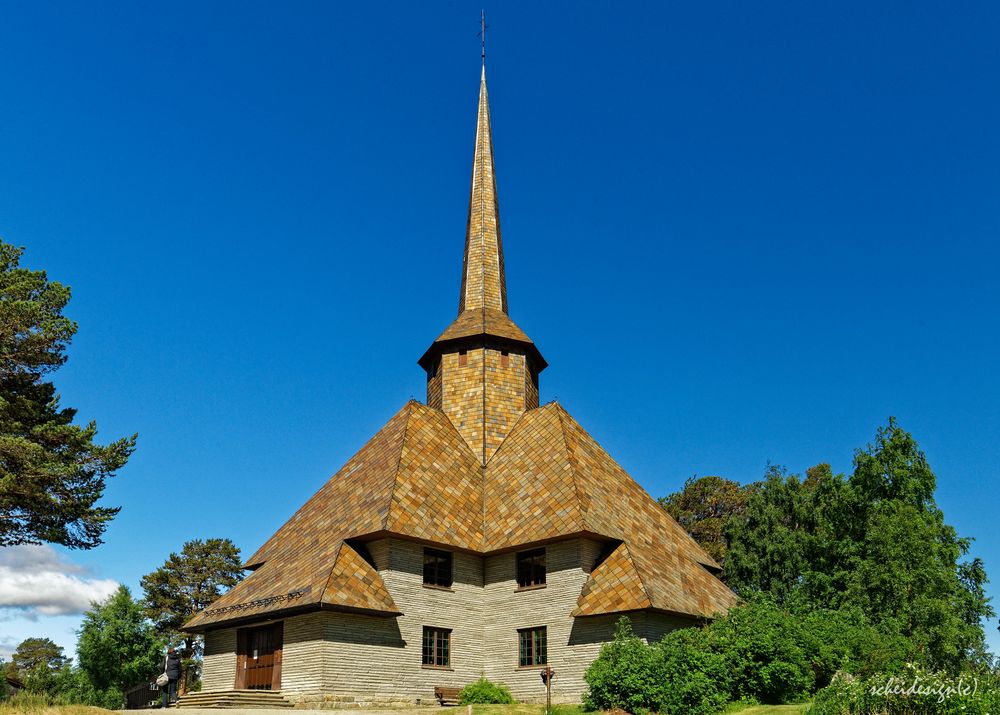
x=531 y=568
x=463 y=357
x=504 y=358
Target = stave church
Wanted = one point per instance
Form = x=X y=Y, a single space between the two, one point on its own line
x=476 y=533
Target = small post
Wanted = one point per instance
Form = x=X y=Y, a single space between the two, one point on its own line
x=547 y=675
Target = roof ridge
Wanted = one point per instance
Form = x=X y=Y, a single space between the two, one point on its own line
x=638 y=572
x=399 y=462
x=509 y=433
x=573 y=462
x=449 y=423
x=484 y=469
x=333 y=567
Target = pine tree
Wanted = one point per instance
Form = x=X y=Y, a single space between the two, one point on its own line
x=52 y=473
x=186 y=584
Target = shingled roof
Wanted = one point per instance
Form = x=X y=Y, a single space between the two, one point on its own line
x=417 y=478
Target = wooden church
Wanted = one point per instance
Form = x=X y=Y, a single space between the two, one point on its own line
x=479 y=533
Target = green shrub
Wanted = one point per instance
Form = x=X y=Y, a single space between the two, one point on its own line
x=484 y=692
x=623 y=676
x=677 y=675
x=759 y=652
x=842 y=641
x=923 y=693
x=692 y=677
x=110 y=699
x=763 y=647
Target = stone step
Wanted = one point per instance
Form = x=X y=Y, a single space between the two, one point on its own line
x=234 y=699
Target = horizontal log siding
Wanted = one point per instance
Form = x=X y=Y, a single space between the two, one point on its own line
x=335 y=659
x=219 y=664
x=568 y=565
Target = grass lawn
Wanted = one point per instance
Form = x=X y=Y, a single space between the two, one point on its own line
x=31 y=709
x=772 y=710
x=578 y=710
x=522 y=709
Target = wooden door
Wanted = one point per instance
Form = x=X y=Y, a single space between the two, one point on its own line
x=258 y=661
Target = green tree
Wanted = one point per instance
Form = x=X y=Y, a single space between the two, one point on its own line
x=876 y=542
x=909 y=566
x=704 y=506
x=118 y=646
x=768 y=545
x=32 y=653
x=186 y=584
x=36 y=662
x=52 y=473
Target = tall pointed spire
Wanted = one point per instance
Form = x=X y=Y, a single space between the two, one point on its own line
x=482 y=371
x=483 y=282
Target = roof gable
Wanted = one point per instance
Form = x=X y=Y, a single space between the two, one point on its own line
x=614 y=586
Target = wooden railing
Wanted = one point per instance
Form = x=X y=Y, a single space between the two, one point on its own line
x=146 y=694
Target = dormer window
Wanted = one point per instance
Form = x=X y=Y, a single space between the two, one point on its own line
x=437 y=568
x=531 y=569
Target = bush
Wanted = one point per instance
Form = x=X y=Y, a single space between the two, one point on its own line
x=623 y=675
x=763 y=649
x=970 y=694
x=759 y=652
x=842 y=641
x=677 y=675
x=693 y=678
x=110 y=699
x=484 y=692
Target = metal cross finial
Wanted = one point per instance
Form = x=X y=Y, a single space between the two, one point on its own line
x=482 y=32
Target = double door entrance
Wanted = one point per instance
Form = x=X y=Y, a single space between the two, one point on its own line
x=258 y=657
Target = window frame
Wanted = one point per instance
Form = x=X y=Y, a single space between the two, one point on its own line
x=526 y=563
x=438 y=636
x=442 y=556
x=533 y=640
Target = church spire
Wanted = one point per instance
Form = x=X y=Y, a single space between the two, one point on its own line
x=483 y=282
x=482 y=371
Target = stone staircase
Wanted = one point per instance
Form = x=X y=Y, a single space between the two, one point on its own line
x=234 y=699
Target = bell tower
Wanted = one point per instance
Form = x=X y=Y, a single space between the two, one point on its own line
x=483 y=370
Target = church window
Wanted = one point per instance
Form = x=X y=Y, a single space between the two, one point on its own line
x=437 y=568
x=463 y=357
x=504 y=358
x=437 y=647
x=532 y=647
x=531 y=568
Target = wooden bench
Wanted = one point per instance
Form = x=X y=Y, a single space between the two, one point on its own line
x=447 y=696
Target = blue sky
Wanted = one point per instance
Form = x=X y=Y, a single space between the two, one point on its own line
x=740 y=234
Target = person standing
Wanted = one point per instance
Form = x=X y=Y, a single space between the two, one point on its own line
x=172 y=669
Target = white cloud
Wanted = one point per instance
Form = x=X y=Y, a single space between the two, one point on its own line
x=36 y=581
x=7 y=646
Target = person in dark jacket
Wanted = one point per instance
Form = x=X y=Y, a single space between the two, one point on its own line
x=172 y=667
